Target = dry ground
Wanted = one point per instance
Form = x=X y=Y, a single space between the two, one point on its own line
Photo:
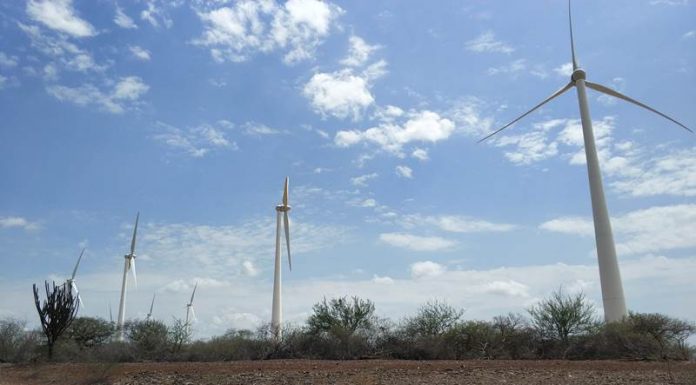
x=352 y=372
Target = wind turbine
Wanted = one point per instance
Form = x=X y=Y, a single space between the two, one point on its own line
x=71 y=280
x=152 y=304
x=277 y=312
x=129 y=264
x=189 y=308
x=609 y=274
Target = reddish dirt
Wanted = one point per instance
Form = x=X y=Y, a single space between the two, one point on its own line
x=353 y=372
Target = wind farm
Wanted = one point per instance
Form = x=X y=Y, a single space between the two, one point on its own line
x=441 y=226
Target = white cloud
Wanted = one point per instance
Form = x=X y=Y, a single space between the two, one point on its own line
x=197 y=141
x=671 y=173
x=258 y=129
x=455 y=223
x=363 y=179
x=359 y=52
x=618 y=84
x=565 y=69
x=3 y=80
x=569 y=225
x=140 y=52
x=531 y=147
x=250 y=269
x=59 y=48
x=689 y=35
x=416 y=243
x=60 y=16
x=18 y=222
x=467 y=115
x=422 y=126
x=426 y=269
x=420 y=154
x=124 y=94
x=486 y=43
x=123 y=20
x=341 y=94
x=508 y=288
x=512 y=68
x=7 y=60
x=297 y=27
x=404 y=172
x=155 y=14
x=382 y=280
x=654 y=229
x=669 y=2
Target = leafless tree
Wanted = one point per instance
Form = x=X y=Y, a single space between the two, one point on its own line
x=56 y=313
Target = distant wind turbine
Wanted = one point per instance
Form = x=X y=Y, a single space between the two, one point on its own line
x=71 y=281
x=609 y=274
x=277 y=313
x=189 y=308
x=128 y=265
x=152 y=304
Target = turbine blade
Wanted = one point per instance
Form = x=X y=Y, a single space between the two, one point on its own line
x=572 y=43
x=77 y=264
x=135 y=233
x=287 y=237
x=79 y=299
x=152 y=304
x=111 y=316
x=194 y=293
x=554 y=95
x=285 y=192
x=610 y=92
x=193 y=314
x=132 y=266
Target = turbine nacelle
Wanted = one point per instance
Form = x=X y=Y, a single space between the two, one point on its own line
x=578 y=74
x=283 y=208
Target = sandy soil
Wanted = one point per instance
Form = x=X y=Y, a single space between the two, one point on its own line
x=353 y=372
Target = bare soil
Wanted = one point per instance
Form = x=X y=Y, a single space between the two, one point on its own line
x=352 y=372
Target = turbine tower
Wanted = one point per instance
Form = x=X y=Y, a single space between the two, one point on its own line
x=609 y=274
x=277 y=313
x=152 y=305
x=71 y=281
x=129 y=264
x=189 y=309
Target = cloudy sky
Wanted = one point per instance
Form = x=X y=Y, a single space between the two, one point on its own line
x=193 y=112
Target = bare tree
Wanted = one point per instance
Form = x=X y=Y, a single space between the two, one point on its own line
x=57 y=312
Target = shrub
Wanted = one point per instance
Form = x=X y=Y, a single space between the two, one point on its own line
x=16 y=343
x=89 y=332
x=150 y=338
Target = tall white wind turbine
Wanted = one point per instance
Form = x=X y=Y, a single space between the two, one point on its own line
x=609 y=274
x=71 y=281
x=277 y=312
x=189 y=308
x=152 y=305
x=129 y=265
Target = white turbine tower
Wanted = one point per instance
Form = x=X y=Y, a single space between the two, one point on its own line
x=152 y=305
x=71 y=281
x=129 y=264
x=189 y=309
x=609 y=274
x=277 y=312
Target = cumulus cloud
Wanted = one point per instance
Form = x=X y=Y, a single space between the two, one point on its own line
x=156 y=15
x=197 y=141
x=654 y=229
x=123 y=20
x=341 y=94
x=421 y=126
x=124 y=94
x=59 y=15
x=455 y=223
x=404 y=172
x=7 y=60
x=565 y=69
x=359 y=52
x=60 y=49
x=426 y=269
x=17 y=222
x=297 y=27
x=416 y=242
x=420 y=154
x=486 y=42
x=363 y=179
x=140 y=52
x=382 y=280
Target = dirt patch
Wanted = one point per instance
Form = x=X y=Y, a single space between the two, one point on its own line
x=352 y=372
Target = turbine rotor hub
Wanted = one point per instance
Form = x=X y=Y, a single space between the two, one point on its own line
x=129 y=256
x=283 y=208
x=578 y=74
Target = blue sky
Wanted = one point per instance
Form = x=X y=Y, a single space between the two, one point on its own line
x=193 y=113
